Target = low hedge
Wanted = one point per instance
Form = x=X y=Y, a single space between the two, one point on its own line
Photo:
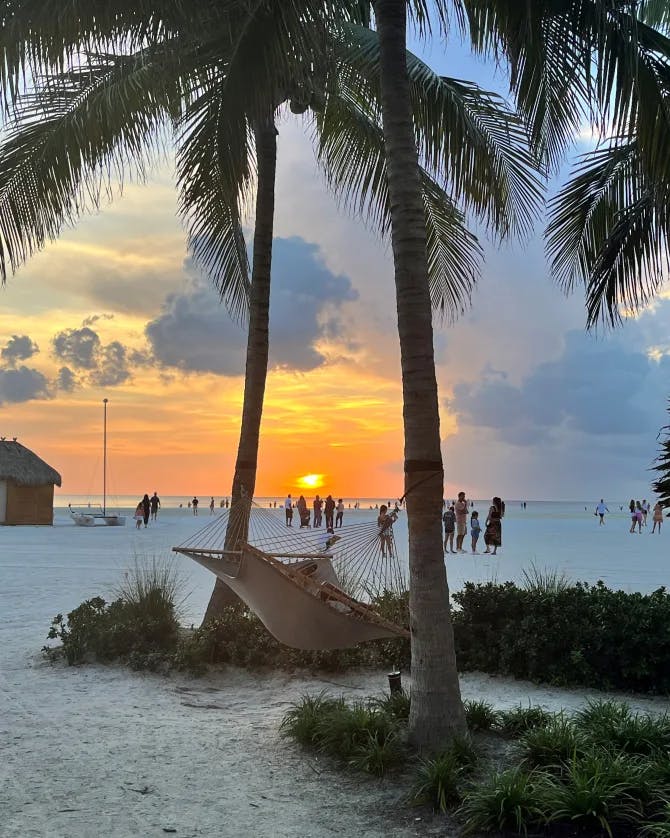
x=586 y=635
x=581 y=634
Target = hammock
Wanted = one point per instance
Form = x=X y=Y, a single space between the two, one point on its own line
x=310 y=588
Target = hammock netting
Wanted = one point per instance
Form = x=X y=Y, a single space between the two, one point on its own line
x=364 y=558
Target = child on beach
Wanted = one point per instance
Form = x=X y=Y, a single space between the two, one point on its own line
x=449 y=519
x=139 y=515
x=475 y=529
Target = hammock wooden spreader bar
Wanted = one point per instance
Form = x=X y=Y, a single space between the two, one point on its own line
x=301 y=603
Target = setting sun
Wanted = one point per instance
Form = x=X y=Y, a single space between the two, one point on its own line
x=310 y=481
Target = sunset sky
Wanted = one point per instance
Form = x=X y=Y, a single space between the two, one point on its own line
x=531 y=406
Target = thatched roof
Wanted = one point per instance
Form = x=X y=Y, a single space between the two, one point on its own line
x=19 y=464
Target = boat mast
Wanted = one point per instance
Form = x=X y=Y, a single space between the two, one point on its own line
x=104 y=457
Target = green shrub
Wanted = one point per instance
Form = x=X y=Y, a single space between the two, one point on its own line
x=507 y=800
x=612 y=724
x=438 y=782
x=659 y=828
x=480 y=715
x=396 y=705
x=360 y=735
x=595 y=793
x=565 y=634
x=520 y=719
x=140 y=626
x=548 y=747
x=301 y=718
x=343 y=728
x=378 y=752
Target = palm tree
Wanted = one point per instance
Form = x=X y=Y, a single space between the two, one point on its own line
x=603 y=67
x=105 y=112
x=661 y=486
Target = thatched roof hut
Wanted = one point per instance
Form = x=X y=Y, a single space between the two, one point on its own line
x=26 y=485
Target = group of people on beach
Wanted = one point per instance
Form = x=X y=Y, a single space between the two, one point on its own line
x=333 y=512
x=455 y=519
x=147 y=509
x=639 y=511
x=638 y=515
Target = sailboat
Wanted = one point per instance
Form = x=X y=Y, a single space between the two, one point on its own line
x=87 y=516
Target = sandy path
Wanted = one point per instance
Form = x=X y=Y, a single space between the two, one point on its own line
x=116 y=753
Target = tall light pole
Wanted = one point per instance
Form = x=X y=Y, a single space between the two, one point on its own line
x=104 y=457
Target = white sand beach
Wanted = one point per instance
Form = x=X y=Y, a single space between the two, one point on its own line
x=96 y=750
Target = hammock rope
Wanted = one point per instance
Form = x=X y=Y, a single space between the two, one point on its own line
x=366 y=564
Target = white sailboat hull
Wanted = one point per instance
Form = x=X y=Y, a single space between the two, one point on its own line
x=97 y=519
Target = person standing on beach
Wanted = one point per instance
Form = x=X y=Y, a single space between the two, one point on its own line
x=461 y=510
x=449 y=520
x=658 y=517
x=211 y=505
x=194 y=504
x=139 y=515
x=601 y=509
x=288 y=510
x=493 y=531
x=146 y=509
x=155 y=503
x=645 y=511
x=303 y=512
x=317 y=503
x=329 y=509
x=385 y=521
x=339 y=509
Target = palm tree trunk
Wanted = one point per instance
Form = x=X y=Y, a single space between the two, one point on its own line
x=436 y=714
x=244 y=479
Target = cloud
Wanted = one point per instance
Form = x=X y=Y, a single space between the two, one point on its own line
x=195 y=333
x=22 y=385
x=78 y=346
x=569 y=392
x=104 y=365
x=66 y=380
x=19 y=348
x=94 y=318
x=112 y=366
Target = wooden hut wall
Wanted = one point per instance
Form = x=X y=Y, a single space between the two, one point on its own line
x=29 y=504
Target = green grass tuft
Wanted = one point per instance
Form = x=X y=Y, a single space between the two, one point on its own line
x=506 y=800
x=520 y=719
x=480 y=715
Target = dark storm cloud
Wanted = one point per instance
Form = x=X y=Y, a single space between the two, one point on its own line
x=195 y=333
x=78 y=346
x=22 y=385
x=19 y=348
x=595 y=387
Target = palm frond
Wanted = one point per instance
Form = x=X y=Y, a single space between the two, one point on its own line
x=578 y=62
x=545 y=50
x=49 y=36
x=73 y=140
x=350 y=149
x=466 y=135
x=213 y=193
x=609 y=230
